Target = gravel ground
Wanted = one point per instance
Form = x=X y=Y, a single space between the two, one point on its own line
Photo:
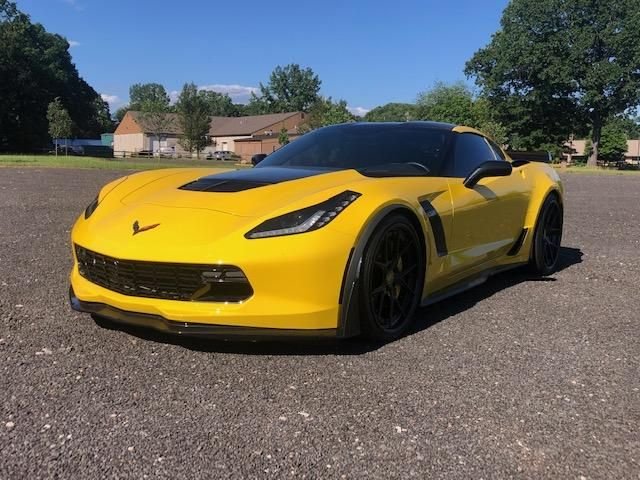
x=517 y=378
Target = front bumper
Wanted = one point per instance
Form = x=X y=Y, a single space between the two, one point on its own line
x=159 y=323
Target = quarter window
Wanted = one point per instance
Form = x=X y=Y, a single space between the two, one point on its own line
x=471 y=150
x=497 y=150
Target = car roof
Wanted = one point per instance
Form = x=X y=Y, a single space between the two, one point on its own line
x=427 y=125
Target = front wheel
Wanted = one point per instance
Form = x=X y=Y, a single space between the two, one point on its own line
x=545 y=249
x=392 y=278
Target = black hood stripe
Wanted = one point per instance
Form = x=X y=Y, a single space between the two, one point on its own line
x=240 y=180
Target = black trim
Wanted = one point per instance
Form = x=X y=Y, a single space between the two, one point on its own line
x=173 y=327
x=468 y=283
x=436 y=227
x=518 y=243
x=344 y=276
x=240 y=180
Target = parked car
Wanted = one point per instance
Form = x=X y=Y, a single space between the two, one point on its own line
x=220 y=155
x=257 y=158
x=144 y=153
x=345 y=231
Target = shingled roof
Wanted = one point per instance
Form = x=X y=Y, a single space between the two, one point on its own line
x=220 y=126
x=231 y=126
x=173 y=124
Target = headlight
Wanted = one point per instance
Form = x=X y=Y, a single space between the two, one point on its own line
x=91 y=208
x=306 y=219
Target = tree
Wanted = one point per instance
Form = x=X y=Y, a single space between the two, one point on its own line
x=283 y=137
x=326 y=112
x=392 y=112
x=148 y=93
x=153 y=96
x=103 y=116
x=452 y=103
x=60 y=124
x=219 y=104
x=156 y=118
x=613 y=142
x=194 y=119
x=561 y=64
x=456 y=103
x=290 y=89
x=35 y=68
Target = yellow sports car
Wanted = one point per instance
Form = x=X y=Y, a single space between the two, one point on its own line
x=343 y=231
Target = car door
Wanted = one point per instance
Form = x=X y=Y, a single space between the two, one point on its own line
x=488 y=218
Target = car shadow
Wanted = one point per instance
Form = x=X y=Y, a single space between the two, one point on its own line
x=425 y=318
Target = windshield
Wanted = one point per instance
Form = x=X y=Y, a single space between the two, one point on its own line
x=367 y=147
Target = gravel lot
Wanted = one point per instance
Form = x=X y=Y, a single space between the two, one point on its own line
x=517 y=378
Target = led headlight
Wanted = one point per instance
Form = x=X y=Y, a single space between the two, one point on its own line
x=306 y=219
x=91 y=208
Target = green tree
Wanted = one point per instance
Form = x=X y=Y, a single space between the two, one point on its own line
x=290 y=89
x=103 y=116
x=35 y=68
x=392 y=112
x=613 y=142
x=283 y=137
x=148 y=93
x=326 y=112
x=194 y=119
x=456 y=103
x=156 y=118
x=452 y=103
x=60 y=123
x=557 y=65
x=219 y=104
x=151 y=96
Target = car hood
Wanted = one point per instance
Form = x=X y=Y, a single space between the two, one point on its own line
x=247 y=193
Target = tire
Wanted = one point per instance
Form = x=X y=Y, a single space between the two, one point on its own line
x=545 y=247
x=392 y=277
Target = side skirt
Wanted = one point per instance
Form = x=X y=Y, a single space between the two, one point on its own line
x=468 y=283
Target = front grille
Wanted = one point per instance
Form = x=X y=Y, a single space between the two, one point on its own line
x=168 y=281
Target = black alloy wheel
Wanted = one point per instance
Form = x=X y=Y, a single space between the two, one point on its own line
x=392 y=279
x=548 y=237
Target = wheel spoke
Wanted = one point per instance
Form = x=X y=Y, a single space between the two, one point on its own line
x=406 y=285
x=406 y=271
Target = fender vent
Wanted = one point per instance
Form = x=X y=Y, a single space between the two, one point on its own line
x=518 y=243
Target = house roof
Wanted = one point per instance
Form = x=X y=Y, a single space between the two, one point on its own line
x=220 y=126
x=291 y=133
x=172 y=125
x=229 y=126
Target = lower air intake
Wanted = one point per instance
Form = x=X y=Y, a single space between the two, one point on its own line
x=167 y=281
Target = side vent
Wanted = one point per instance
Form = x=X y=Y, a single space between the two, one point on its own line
x=518 y=243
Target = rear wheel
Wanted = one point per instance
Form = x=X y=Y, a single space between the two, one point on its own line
x=392 y=278
x=545 y=250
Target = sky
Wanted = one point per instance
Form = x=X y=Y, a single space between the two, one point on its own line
x=367 y=52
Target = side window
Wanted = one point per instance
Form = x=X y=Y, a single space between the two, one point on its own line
x=471 y=150
x=497 y=150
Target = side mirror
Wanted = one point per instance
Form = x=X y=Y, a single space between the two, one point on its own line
x=257 y=158
x=491 y=168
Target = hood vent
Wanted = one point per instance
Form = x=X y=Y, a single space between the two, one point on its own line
x=213 y=185
x=240 y=180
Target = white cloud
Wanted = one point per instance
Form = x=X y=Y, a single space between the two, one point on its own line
x=238 y=93
x=75 y=4
x=359 y=111
x=73 y=43
x=110 y=99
